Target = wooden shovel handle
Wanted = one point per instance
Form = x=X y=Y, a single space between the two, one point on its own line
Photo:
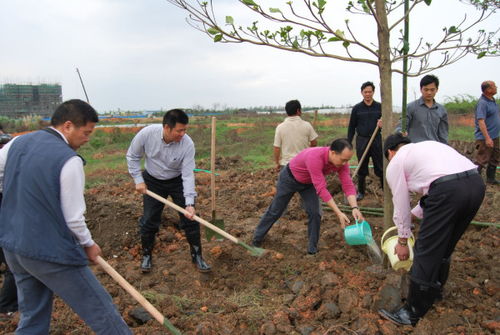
x=196 y=217
x=131 y=290
x=212 y=164
x=366 y=150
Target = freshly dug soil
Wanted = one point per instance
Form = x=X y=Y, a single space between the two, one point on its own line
x=286 y=291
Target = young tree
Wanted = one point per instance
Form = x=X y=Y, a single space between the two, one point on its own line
x=343 y=31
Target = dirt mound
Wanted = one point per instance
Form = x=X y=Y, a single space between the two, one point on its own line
x=337 y=291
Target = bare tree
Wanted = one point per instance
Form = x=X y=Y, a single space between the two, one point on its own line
x=312 y=27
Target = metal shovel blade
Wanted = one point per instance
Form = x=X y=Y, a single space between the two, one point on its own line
x=210 y=235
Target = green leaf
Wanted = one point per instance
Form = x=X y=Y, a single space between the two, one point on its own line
x=295 y=44
x=452 y=30
x=339 y=33
x=249 y=2
x=320 y=5
x=229 y=20
x=218 y=38
x=334 y=39
x=428 y=2
x=481 y=54
x=346 y=44
x=274 y=10
x=213 y=31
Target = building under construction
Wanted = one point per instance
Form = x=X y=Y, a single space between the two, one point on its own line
x=23 y=100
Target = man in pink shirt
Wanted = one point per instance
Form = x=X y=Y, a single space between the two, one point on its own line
x=452 y=193
x=305 y=174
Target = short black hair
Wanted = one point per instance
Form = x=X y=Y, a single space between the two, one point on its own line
x=77 y=111
x=485 y=85
x=174 y=116
x=338 y=145
x=392 y=142
x=366 y=84
x=292 y=107
x=429 y=79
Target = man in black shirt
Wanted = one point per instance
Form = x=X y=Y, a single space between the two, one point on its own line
x=365 y=117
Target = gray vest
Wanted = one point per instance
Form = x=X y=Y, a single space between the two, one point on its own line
x=32 y=223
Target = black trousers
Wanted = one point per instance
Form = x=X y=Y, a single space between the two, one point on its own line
x=8 y=292
x=375 y=152
x=151 y=219
x=448 y=208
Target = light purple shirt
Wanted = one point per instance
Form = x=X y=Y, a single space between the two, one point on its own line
x=311 y=166
x=414 y=167
x=163 y=160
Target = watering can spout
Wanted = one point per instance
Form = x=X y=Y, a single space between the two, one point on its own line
x=388 y=245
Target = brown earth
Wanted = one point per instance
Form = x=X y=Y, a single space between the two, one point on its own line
x=337 y=291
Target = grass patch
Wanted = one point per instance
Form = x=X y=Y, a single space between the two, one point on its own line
x=183 y=303
x=105 y=153
x=461 y=133
x=255 y=306
x=153 y=297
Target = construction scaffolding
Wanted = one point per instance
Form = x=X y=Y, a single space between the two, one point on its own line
x=23 y=100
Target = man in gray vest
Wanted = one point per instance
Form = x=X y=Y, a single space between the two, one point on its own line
x=42 y=228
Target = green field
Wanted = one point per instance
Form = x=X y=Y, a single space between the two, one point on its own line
x=248 y=137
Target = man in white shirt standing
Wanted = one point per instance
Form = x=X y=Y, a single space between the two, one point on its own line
x=292 y=135
x=452 y=192
x=169 y=164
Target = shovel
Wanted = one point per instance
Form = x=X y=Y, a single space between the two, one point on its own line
x=209 y=233
x=254 y=251
x=137 y=296
x=367 y=149
x=355 y=174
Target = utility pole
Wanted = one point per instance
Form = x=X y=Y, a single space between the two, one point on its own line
x=83 y=86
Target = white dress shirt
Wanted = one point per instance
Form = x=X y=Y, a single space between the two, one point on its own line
x=414 y=167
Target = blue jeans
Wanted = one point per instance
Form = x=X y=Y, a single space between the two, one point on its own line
x=37 y=281
x=286 y=187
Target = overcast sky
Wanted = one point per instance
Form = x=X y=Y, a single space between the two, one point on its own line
x=142 y=55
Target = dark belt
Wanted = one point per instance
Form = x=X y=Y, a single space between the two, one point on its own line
x=455 y=176
x=291 y=174
x=163 y=180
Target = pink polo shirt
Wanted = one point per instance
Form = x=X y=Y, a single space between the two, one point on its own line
x=311 y=166
x=414 y=167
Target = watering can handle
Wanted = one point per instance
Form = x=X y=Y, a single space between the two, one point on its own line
x=388 y=231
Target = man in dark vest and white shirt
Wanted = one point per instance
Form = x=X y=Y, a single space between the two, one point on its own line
x=43 y=232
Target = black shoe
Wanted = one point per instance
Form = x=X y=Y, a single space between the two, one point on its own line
x=439 y=295
x=491 y=171
x=147 y=263
x=201 y=265
x=257 y=243
x=312 y=250
x=197 y=259
x=401 y=317
x=361 y=187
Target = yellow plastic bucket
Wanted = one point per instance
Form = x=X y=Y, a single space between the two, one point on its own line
x=388 y=246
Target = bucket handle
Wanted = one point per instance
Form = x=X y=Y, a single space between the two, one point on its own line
x=388 y=231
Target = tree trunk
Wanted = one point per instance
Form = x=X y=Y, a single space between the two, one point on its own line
x=384 y=67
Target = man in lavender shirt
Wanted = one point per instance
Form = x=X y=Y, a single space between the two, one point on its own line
x=452 y=193
x=169 y=154
x=305 y=174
